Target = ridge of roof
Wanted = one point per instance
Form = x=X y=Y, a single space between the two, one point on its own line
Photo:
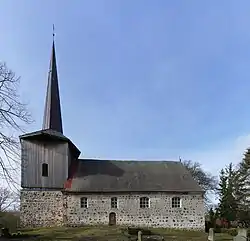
x=128 y=160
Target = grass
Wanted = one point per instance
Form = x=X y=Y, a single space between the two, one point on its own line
x=107 y=233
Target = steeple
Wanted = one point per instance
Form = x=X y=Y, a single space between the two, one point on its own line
x=52 y=118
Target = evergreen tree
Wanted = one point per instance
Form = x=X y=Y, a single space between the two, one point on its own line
x=231 y=197
x=222 y=190
x=244 y=180
x=228 y=206
x=242 y=189
x=212 y=217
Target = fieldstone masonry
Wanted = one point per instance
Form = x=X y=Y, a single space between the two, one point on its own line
x=53 y=208
x=42 y=208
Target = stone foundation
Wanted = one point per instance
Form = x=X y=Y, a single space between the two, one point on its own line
x=41 y=209
x=52 y=208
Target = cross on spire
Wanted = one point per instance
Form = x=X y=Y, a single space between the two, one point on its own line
x=53 y=32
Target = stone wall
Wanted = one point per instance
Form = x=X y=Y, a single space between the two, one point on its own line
x=41 y=208
x=159 y=214
x=52 y=208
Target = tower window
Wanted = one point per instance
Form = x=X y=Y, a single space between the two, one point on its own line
x=45 y=170
x=114 y=202
x=144 y=202
x=84 y=202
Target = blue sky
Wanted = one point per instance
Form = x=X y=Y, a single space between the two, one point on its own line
x=138 y=79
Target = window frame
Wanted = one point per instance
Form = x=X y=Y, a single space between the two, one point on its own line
x=45 y=169
x=176 y=202
x=144 y=202
x=114 y=202
x=84 y=202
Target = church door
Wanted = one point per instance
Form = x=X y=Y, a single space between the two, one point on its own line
x=112 y=219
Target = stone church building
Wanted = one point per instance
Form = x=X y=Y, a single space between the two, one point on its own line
x=59 y=188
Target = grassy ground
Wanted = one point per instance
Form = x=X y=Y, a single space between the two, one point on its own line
x=105 y=233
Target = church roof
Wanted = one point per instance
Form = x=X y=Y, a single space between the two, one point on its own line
x=132 y=176
x=46 y=132
x=51 y=134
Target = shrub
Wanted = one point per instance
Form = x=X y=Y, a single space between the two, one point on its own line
x=233 y=231
x=230 y=231
x=9 y=220
x=217 y=229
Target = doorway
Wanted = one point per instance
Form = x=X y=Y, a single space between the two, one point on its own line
x=112 y=219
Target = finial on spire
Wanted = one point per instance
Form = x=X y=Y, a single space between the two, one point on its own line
x=53 y=32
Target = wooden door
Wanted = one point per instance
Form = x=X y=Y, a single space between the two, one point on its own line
x=112 y=219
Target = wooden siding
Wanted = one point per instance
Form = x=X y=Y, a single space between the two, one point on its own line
x=34 y=154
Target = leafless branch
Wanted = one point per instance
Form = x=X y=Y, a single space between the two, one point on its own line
x=8 y=199
x=206 y=180
x=13 y=115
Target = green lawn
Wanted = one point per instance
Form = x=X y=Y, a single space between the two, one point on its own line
x=106 y=233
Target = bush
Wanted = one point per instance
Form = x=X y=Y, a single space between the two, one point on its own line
x=217 y=229
x=230 y=231
x=208 y=225
x=233 y=231
x=9 y=220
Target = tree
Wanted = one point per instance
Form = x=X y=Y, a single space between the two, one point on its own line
x=206 y=180
x=222 y=191
x=242 y=189
x=244 y=179
x=8 y=200
x=13 y=114
x=228 y=205
x=212 y=217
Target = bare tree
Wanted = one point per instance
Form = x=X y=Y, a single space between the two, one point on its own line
x=9 y=200
x=13 y=115
x=206 y=180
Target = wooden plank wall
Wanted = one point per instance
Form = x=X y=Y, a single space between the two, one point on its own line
x=34 y=154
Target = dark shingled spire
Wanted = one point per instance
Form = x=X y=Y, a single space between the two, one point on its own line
x=52 y=113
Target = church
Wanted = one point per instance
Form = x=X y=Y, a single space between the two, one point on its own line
x=60 y=189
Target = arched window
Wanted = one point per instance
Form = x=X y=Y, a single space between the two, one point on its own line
x=45 y=170
x=84 y=202
x=114 y=202
x=144 y=202
x=176 y=202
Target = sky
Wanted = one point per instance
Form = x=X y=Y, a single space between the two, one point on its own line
x=141 y=80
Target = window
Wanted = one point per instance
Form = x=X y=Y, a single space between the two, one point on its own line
x=114 y=202
x=45 y=171
x=144 y=202
x=176 y=202
x=84 y=202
